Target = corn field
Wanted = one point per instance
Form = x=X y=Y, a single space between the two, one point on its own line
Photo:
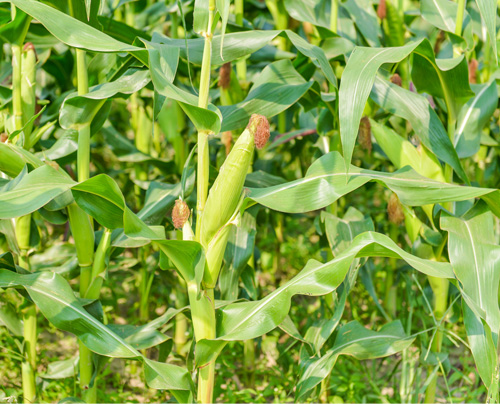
x=249 y=201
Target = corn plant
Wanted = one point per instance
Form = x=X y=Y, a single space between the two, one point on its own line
x=185 y=180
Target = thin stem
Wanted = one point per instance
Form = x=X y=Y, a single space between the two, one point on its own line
x=83 y=233
x=83 y=153
x=202 y=309
x=241 y=65
x=29 y=365
x=460 y=17
x=23 y=233
x=334 y=16
x=203 y=151
x=440 y=286
x=17 y=103
x=204 y=320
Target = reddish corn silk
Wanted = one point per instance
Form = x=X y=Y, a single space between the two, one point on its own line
x=225 y=75
x=395 y=210
x=180 y=213
x=260 y=126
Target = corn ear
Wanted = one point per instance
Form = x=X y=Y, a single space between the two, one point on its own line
x=214 y=256
x=225 y=194
x=28 y=86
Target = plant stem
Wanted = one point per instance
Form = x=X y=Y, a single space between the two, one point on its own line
x=23 y=233
x=81 y=228
x=83 y=153
x=280 y=17
x=460 y=17
x=440 y=286
x=28 y=87
x=29 y=364
x=334 y=16
x=203 y=152
x=241 y=65
x=203 y=310
x=440 y=289
x=17 y=103
x=203 y=313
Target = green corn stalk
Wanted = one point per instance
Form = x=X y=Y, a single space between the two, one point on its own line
x=83 y=232
x=280 y=17
x=334 y=16
x=241 y=65
x=29 y=364
x=17 y=101
x=203 y=151
x=23 y=224
x=220 y=209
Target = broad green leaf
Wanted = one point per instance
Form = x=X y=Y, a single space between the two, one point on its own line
x=482 y=346
x=473 y=117
x=475 y=260
x=354 y=340
x=139 y=336
x=71 y=31
x=79 y=110
x=13 y=159
x=401 y=152
x=340 y=234
x=327 y=180
x=101 y=198
x=442 y=14
x=277 y=87
x=444 y=78
x=318 y=12
x=98 y=196
x=84 y=10
x=33 y=191
x=488 y=10
x=416 y=109
x=200 y=16
x=363 y=15
x=247 y=320
x=160 y=198
x=359 y=76
x=57 y=302
x=187 y=256
x=15 y=31
x=240 y=44
x=161 y=59
x=240 y=248
x=9 y=318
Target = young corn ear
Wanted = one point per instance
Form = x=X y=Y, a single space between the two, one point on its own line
x=226 y=191
x=28 y=86
x=225 y=194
